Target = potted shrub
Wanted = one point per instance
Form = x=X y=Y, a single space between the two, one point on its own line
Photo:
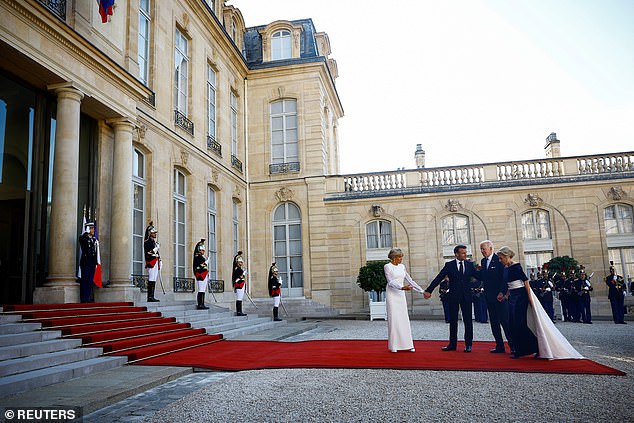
x=372 y=280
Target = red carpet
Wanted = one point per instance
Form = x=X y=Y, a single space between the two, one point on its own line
x=118 y=328
x=364 y=354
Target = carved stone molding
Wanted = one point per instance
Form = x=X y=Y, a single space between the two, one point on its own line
x=184 y=157
x=237 y=192
x=616 y=193
x=284 y=194
x=376 y=210
x=533 y=200
x=215 y=174
x=140 y=130
x=453 y=205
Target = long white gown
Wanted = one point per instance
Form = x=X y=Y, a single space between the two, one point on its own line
x=550 y=342
x=399 y=332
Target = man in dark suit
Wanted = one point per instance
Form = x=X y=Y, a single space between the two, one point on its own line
x=459 y=271
x=490 y=274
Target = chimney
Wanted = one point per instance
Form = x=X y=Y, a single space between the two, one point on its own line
x=552 y=146
x=419 y=155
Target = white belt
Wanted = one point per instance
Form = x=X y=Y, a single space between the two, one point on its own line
x=516 y=284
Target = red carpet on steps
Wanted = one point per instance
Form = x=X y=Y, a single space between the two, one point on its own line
x=365 y=354
x=118 y=328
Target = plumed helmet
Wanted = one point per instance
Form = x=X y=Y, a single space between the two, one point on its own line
x=150 y=229
x=200 y=246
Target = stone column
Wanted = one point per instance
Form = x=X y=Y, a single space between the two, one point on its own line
x=120 y=288
x=61 y=285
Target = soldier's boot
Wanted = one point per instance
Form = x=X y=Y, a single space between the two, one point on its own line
x=151 y=288
x=276 y=317
x=201 y=302
x=239 y=309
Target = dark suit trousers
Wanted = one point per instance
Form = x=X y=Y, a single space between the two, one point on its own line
x=464 y=303
x=499 y=319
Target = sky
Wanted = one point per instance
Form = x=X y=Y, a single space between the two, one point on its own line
x=472 y=81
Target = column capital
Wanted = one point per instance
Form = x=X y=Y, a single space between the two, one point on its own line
x=122 y=123
x=67 y=89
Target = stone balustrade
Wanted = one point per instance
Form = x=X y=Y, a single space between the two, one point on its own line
x=530 y=171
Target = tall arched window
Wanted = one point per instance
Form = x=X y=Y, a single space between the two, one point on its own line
x=138 y=212
x=179 y=221
x=379 y=234
x=235 y=225
x=455 y=230
x=284 y=147
x=287 y=248
x=619 y=230
x=618 y=219
x=281 y=47
x=181 y=72
x=538 y=244
x=536 y=224
x=212 y=246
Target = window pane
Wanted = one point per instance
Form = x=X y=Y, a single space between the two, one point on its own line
x=276 y=107
x=280 y=248
x=279 y=233
x=280 y=214
x=294 y=232
x=293 y=212
x=290 y=106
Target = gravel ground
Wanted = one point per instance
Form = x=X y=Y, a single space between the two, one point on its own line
x=353 y=395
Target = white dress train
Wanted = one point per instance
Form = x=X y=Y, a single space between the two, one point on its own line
x=399 y=332
x=551 y=343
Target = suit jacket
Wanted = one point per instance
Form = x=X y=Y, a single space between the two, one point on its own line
x=459 y=285
x=492 y=278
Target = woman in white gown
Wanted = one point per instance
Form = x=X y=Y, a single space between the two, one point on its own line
x=399 y=332
x=528 y=320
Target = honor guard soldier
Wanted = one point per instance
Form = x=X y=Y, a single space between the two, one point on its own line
x=200 y=273
x=574 y=287
x=545 y=296
x=87 y=261
x=616 y=294
x=275 y=285
x=563 y=292
x=238 y=276
x=152 y=260
x=584 y=300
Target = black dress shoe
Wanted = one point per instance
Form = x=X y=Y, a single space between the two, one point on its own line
x=449 y=348
x=498 y=351
x=467 y=348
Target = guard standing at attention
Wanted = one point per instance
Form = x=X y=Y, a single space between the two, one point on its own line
x=201 y=273
x=238 y=276
x=87 y=262
x=275 y=285
x=152 y=260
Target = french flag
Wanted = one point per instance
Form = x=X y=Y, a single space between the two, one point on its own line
x=105 y=9
x=97 y=278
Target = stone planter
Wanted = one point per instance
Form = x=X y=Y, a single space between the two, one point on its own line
x=377 y=306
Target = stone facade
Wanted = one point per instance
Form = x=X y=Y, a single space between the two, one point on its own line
x=152 y=163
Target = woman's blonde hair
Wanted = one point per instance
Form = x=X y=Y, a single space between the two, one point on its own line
x=395 y=252
x=505 y=251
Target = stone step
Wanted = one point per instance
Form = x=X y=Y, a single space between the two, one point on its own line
x=41 y=361
x=28 y=337
x=224 y=328
x=9 y=318
x=24 y=350
x=9 y=328
x=250 y=329
x=30 y=380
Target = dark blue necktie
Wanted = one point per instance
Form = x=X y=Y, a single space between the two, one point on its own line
x=461 y=269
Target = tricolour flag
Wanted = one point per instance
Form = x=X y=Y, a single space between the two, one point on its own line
x=97 y=278
x=105 y=9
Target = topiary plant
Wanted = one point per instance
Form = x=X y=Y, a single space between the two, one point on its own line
x=372 y=278
x=563 y=264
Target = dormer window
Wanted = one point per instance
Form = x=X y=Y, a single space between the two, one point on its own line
x=281 y=45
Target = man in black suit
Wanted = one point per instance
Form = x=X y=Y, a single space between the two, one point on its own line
x=490 y=274
x=459 y=271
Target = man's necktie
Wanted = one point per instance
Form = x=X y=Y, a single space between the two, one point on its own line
x=461 y=269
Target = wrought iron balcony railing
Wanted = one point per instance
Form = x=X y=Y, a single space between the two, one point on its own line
x=58 y=7
x=140 y=281
x=284 y=167
x=215 y=286
x=151 y=100
x=184 y=284
x=235 y=162
x=182 y=121
x=214 y=145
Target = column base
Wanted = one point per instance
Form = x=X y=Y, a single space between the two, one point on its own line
x=59 y=294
